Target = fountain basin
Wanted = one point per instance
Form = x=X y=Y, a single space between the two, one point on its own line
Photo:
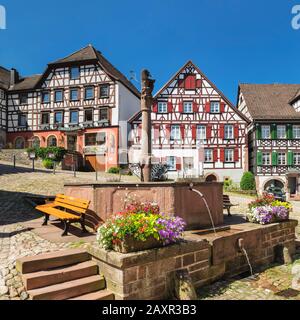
x=173 y=198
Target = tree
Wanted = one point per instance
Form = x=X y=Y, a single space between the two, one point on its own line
x=248 y=181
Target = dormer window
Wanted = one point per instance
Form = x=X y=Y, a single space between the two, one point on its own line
x=74 y=73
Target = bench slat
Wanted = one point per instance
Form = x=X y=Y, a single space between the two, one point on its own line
x=76 y=201
x=58 y=213
x=70 y=207
x=72 y=203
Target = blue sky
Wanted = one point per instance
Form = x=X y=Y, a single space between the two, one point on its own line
x=231 y=41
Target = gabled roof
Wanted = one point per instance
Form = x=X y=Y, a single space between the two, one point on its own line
x=27 y=83
x=4 y=78
x=270 y=101
x=296 y=97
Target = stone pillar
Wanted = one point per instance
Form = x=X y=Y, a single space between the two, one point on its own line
x=146 y=143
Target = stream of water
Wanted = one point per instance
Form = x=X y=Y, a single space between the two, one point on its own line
x=248 y=261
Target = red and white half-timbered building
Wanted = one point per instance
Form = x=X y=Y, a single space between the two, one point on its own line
x=195 y=129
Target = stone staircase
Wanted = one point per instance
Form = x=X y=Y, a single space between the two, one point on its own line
x=63 y=275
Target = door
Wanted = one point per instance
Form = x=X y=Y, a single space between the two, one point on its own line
x=93 y=162
x=293 y=185
x=72 y=143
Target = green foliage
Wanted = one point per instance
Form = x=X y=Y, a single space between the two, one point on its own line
x=48 y=163
x=228 y=183
x=248 y=181
x=114 y=170
x=43 y=153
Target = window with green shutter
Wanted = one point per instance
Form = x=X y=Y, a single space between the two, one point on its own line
x=274 y=158
x=274 y=131
x=258 y=132
x=290 y=158
x=259 y=158
x=289 y=130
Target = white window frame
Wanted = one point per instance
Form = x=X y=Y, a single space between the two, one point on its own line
x=296 y=159
x=201 y=132
x=171 y=162
x=280 y=130
x=162 y=107
x=266 y=158
x=296 y=131
x=229 y=155
x=265 y=132
x=208 y=156
x=229 y=132
x=282 y=159
x=175 y=132
x=215 y=107
x=188 y=107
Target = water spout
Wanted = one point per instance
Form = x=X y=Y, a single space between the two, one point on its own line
x=207 y=207
x=244 y=251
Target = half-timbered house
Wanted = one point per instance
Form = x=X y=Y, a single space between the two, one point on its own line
x=274 y=134
x=81 y=102
x=4 y=85
x=195 y=129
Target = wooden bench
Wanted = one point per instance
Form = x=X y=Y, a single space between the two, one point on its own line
x=227 y=204
x=67 y=209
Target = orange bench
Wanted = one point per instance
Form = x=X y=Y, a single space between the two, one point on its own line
x=67 y=209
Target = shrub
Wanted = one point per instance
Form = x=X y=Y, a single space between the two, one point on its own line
x=227 y=183
x=114 y=170
x=48 y=163
x=43 y=153
x=248 y=181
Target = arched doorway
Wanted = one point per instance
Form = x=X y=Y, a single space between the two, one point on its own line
x=36 y=143
x=274 y=183
x=52 y=141
x=20 y=143
x=211 y=178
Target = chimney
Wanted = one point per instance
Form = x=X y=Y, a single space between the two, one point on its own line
x=14 y=77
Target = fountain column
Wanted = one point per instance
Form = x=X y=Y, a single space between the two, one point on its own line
x=146 y=143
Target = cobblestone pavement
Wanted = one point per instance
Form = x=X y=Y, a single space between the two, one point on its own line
x=273 y=283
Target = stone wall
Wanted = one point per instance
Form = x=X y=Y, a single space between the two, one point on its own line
x=21 y=157
x=149 y=274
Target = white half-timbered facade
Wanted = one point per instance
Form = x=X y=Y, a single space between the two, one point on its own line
x=81 y=102
x=195 y=129
x=4 y=84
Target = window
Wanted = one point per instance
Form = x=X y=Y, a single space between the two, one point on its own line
x=74 y=116
x=89 y=93
x=297 y=158
x=45 y=118
x=103 y=114
x=162 y=107
x=281 y=159
x=20 y=143
x=175 y=133
x=265 y=132
x=23 y=98
x=201 y=132
x=171 y=163
x=188 y=107
x=58 y=117
x=51 y=141
x=74 y=73
x=296 y=132
x=104 y=91
x=22 y=120
x=281 y=132
x=88 y=115
x=95 y=139
x=215 y=107
x=208 y=155
x=229 y=155
x=36 y=142
x=58 y=96
x=46 y=97
x=74 y=96
x=229 y=133
x=266 y=158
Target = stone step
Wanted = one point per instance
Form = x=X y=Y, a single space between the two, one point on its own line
x=51 y=260
x=41 y=279
x=70 y=289
x=98 y=295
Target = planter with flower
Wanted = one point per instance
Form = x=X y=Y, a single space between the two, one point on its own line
x=140 y=226
x=266 y=210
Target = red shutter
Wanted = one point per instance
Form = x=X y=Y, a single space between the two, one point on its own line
x=155 y=107
x=182 y=128
x=190 y=82
x=198 y=83
x=236 y=155
x=168 y=131
x=236 y=131
x=222 y=107
x=207 y=107
x=170 y=107
x=195 y=107
x=194 y=132
x=222 y=155
x=181 y=107
x=178 y=163
x=222 y=131
x=208 y=131
x=215 y=155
